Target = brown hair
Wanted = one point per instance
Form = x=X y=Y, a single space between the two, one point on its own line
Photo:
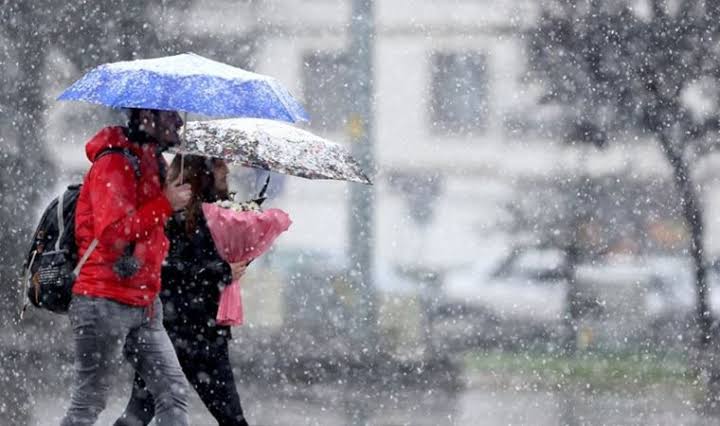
x=198 y=172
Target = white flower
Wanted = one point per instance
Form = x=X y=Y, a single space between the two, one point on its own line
x=245 y=206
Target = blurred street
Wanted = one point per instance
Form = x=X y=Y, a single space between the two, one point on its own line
x=479 y=404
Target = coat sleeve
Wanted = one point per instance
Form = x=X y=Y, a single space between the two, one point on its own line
x=203 y=268
x=118 y=219
x=214 y=271
x=210 y=267
x=194 y=256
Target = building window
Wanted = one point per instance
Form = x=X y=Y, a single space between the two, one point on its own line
x=326 y=89
x=459 y=98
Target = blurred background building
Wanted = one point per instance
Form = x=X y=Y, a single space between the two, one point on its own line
x=496 y=229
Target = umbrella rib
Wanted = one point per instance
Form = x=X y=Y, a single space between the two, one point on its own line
x=281 y=96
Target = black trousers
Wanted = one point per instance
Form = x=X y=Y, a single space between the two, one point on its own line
x=206 y=365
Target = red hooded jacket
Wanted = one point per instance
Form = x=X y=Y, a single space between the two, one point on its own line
x=116 y=207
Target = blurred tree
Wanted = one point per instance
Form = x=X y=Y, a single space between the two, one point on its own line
x=555 y=214
x=647 y=69
x=25 y=168
x=586 y=217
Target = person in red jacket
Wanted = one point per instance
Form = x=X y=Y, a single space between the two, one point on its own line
x=120 y=220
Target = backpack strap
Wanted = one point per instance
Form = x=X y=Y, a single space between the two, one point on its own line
x=60 y=219
x=85 y=257
x=135 y=162
x=129 y=155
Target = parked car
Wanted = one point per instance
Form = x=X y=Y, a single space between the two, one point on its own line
x=648 y=301
x=510 y=297
x=623 y=300
x=522 y=284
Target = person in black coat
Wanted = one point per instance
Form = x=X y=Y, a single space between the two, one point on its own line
x=192 y=277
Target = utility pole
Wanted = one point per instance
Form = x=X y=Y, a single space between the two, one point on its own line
x=362 y=197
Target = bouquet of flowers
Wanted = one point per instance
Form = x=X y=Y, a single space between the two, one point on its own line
x=241 y=232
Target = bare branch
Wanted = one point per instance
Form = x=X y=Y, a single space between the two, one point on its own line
x=712 y=9
x=685 y=9
x=659 y=9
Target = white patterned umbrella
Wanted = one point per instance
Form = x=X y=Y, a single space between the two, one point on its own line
x=271 y=145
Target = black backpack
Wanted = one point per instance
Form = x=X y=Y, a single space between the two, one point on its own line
x=52 y=264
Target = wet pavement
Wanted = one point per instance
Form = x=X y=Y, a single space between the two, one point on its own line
x=483 y=398
x=340 y=404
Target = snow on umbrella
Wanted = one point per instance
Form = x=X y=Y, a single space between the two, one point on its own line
x=271 y=145
x=189 y=83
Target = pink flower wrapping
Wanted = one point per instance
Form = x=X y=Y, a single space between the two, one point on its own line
x=241 y=237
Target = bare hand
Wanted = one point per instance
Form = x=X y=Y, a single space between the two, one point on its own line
x=238 y=270
x=178 y=194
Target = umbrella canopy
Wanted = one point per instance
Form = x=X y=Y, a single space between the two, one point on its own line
x=271 y=145
x=189 y=83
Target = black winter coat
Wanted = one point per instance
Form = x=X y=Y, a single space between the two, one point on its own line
x=192 y=276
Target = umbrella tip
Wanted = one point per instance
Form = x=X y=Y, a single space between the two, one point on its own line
x=365 y=179
x=261 y=195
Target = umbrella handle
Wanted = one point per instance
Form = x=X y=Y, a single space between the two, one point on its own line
x=265 y=187
x=261 y=196
x=182 y=166
x=182 y=142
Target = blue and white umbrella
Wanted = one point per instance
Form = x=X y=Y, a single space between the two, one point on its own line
x=189 y=83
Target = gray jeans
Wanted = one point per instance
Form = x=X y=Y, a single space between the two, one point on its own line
x=101 y=327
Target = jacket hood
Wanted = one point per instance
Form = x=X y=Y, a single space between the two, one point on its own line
x=109 y=137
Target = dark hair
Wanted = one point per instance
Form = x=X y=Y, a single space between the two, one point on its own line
x=134 y=133
x=198 y=172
